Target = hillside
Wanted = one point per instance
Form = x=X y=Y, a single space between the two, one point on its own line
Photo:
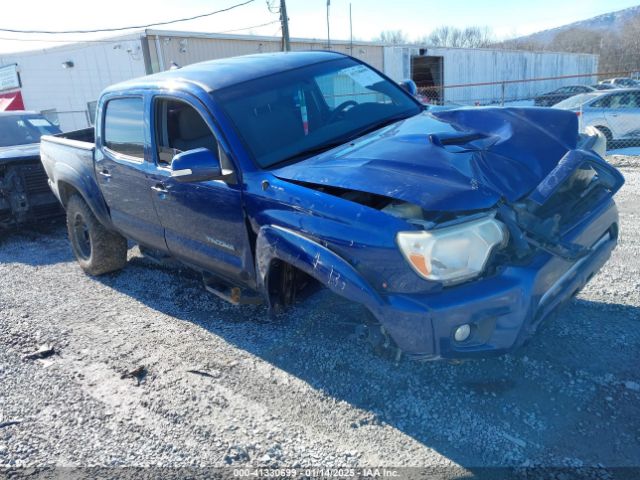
x=607 y=23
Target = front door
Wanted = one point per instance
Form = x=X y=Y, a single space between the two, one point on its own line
x=122 y=171
x=204 y=222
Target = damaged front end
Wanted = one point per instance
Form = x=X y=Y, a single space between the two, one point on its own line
x=25 y=195
x=557 y=238
x=461 y=241
x=580 y=183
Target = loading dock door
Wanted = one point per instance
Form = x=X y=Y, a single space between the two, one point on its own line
x=428 y=73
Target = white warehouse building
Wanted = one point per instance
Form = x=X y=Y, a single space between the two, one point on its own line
x=64 y=82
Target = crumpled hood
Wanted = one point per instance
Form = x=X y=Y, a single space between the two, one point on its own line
x=456 y=160
x=18 y=152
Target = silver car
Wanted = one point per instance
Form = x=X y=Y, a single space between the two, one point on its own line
x=623 y=82
x=615 y=113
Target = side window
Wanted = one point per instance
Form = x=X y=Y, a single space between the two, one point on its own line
x=622 y=100
x=91 y=111
x=604 y=102
x=51 y=115
x=124 y=126
x=179 y=127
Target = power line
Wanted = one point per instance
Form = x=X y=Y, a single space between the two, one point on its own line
x=117 y=29
x=249 y=28
x=59 y=40
x=77 y=40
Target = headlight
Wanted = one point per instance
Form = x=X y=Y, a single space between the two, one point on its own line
x=453 y=254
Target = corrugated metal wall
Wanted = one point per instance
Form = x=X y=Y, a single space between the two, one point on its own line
x=192 y=48
x=46 y=85
x=463 y=66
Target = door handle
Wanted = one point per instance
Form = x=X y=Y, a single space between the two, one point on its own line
x=105 y=173
x=160 y=188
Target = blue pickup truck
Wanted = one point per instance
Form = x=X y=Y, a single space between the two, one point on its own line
x=275 y=174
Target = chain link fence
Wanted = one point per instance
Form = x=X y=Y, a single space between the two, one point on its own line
x=608 y=102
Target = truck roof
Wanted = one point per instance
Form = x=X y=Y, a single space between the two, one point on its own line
x=216 y=74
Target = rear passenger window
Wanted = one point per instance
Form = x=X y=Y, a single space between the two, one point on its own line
x=124 y=126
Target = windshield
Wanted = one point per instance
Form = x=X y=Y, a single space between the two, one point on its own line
x=16 y=129
x=294 y=114
x=575 y=101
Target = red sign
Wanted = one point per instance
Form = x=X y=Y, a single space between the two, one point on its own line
x=11 y=101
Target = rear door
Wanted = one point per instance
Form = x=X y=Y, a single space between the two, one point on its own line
x=623 y=115
x=204 y=222
x=122 y=165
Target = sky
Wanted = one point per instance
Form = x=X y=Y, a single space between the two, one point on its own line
x=307 y=18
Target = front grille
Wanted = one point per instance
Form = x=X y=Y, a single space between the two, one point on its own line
x=35 y=179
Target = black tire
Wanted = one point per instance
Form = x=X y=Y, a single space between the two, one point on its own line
x=97 y=249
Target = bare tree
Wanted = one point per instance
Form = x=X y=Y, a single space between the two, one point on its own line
x=577 y=40
x=629 y=45
x=619 y=52
x=469 y=37
x=393 y=37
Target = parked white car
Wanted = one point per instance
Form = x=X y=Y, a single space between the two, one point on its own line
x=615 y=113
x=623 y=82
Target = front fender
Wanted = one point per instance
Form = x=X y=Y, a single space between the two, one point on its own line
x=317 y=261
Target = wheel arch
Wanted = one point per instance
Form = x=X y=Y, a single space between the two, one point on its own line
x=278 y=248
x=69 y=182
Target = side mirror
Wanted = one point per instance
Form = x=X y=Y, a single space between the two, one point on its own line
x=198 y=165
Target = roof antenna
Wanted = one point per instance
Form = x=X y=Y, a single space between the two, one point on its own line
x=174 y=66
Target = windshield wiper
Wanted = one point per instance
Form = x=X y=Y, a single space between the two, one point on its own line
x=381 y=124
x=309 y=152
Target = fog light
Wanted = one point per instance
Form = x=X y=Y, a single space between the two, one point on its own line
x=462 y=333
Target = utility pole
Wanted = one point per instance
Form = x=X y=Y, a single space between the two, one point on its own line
x=284 y=20
x=328 y=36
x=350 y=32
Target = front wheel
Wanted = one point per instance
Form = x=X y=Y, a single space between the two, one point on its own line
x=607 y=134
x=97 y=249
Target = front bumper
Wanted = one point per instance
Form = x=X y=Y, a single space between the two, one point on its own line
x=503 y=310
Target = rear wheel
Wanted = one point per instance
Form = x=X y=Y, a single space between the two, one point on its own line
x=97 y=249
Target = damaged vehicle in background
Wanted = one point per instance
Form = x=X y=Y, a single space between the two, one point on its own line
x=25 y=195
x=275 y=174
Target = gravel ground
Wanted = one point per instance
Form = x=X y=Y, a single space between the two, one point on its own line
x=224 y=386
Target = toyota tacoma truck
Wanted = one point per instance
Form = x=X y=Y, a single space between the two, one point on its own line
x=24 y=193
x=274 y=174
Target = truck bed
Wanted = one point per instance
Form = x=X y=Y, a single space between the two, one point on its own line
x=84 y=138
x=71 y=152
